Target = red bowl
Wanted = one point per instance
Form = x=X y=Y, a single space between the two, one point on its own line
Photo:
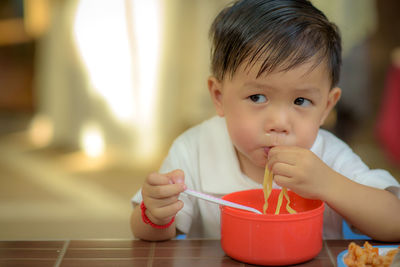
x=270 y=239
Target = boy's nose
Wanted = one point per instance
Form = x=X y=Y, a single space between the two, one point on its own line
x=277 y=129
x=277 y=122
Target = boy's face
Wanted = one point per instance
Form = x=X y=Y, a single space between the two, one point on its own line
x=280 y=108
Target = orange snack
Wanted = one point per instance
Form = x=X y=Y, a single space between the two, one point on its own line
x=368 y=256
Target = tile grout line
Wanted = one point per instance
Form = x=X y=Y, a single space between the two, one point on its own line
x=328 y=251
x=62 y=253
x=151 y=254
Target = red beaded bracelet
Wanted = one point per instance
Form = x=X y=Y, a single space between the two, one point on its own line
x=147 y=220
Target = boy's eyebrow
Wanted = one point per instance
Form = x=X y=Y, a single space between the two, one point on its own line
x=253 y=85
x=304 y=89
x=310 y=90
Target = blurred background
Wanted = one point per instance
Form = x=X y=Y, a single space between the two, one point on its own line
x=92 y=93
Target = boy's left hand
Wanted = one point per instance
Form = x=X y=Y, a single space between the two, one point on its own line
x=300 y=170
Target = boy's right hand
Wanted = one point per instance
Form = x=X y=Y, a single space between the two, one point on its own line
x=160 y=194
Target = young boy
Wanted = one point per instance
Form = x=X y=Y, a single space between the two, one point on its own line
x=275 y=67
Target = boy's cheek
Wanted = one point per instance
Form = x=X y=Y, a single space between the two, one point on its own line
x=242 y=135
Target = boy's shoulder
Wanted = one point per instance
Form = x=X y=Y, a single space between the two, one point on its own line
x=326 y=139
x=206 y=137
x=212 y=128
x=329 y=147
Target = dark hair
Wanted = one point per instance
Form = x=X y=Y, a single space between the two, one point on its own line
x=281 y=33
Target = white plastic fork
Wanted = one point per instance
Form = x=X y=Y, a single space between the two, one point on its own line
x=219 y=201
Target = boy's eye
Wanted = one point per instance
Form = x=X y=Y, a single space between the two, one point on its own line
x=258 y=98
x=300 y=101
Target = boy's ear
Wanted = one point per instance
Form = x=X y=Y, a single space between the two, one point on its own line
x=333 y=98
x=215 y=89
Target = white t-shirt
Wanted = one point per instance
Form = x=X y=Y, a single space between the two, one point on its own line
x=206 y=155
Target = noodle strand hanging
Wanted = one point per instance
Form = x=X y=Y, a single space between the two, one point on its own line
x=267 y=187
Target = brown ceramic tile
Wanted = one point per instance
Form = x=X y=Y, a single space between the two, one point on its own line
x=322 y=254
x=337 y=246
x=379 y=243
x=27 y=263
x=107 y=253
x=15 y=253
x=335 y=251
x=103 y=263
x=187 y=243
x=189 y=249
x=226 y=262
x=189 y=252
x=322 y=259
x=342 y=243
x=137 y=253
x=108 y=244
x=316 y=263
x=31 y=244
x=311 y=263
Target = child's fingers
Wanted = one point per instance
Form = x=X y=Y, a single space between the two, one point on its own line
x=157 y=179
x=160 y=194
x=166 y=211
x=162 y=191
x=160 y=202
x=283 y=169
x=164 y=185
x=281 y=155
x=278 y=161
x=283 y=181
x=176 y=176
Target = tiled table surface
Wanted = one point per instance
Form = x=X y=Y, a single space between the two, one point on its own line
x=137 y=253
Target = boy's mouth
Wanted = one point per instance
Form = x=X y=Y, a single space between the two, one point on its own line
x=266 y=150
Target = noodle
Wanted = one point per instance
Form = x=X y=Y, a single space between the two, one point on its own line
x=279 y=204
x=267 y=185
x=288 y=208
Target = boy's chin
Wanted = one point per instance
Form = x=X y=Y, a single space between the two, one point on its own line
x=257 y=160
x=260 y=163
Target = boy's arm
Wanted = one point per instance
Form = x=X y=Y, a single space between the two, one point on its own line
x=373 y=211
x=145 y=231
x=161 y=193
